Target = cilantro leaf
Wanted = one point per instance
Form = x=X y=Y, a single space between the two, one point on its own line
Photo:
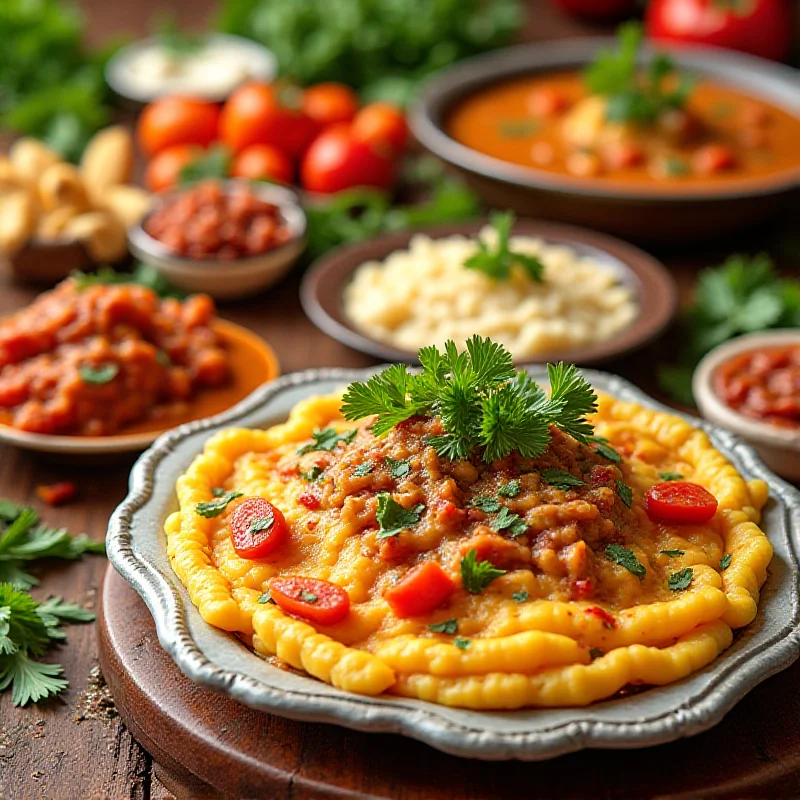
x=572 y=398
x=326 y=440
x=461 y=643
x=486 y=503
x=398 y=467
x=99 y=375
x=602 y=446
x=725 y=561
x=670 y=476
x=213 y=508
x=514 y=523
x=561 y=479
x=625 y=493
x=30 y=681
x=521 y=596
x=307 y=597
x=266 y=598
x=681 y=579
x=510 y=489
x=477 y=575
x=362 y=470
x=314 y=475
x=626 y=558
x=673 y=553
x=449 y=626
x=497 y=263
x=261 y=523
x=393 y=518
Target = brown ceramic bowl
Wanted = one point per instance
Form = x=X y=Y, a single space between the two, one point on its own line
x=653 y=287
x=629 y=211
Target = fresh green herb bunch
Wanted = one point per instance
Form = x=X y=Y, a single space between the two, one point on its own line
x=635 y=96
x=142 y=275
x=498 y=261
x=482 y=401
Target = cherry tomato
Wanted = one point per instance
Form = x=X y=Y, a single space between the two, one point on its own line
x=257 y=528
x=262 y=161
x=598 y=9
x=336 y=161
x=55 y=494
x=547 y=101
x=383 y=126
x=680 y=502
x=177 y=120
x=263 y=113
x=164 y=169
x=761 y=27
x=329 y=103
x=312 y=599
x=421 y=590
x=713 y=158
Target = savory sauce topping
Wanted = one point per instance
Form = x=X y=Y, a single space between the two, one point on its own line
x=763 y=384
x=618 y=123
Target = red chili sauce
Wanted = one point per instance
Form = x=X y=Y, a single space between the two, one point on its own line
x=763 y=384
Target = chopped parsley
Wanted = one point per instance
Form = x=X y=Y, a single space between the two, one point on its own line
x=725 y=561
x=482 y=402
x=602 y=446
x=513 y=523
x=461 y=643
x=626 y=558
x=510 y=489
x=398 y=467
x=261 y=524
x=213 y=508
x=625 y=493
x=449 y=626
x=314 y=475
x=98 y=375
x=393 y=518
x=673 y=553
x=477 y=575
x=561 y=479
x=307 y=597
x=327 y=439
x=520 y=596
x=681 y=579
x=486 y=503
x=670 y=476
x=497 y=263
x=218 y=491
x=362 y=470
x=266 y=598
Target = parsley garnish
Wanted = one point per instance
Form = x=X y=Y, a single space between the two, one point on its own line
x=602 y=446
x=481 y=401
x=673 y=553
x=625 y=493
x=670 y=476
x=485 y=503
x=625 y=558
x=261 y=524
x=449 y=626
x=497 y=263
x=631 y=96
x=307 y=597
x=314 y=475
x=725 y=561
x=461 y=643
x=327 y=440
x=393 y=518
x=594 y=653
x=681 y=579
x=213 y=508
x=477 y=575
x=362 y=470
x=98 y=375
x=266 y=598
x=561 y=479
x=510 y=489
x=398 y=467
x=514 y=523
x=218 y=491
x=521 y=596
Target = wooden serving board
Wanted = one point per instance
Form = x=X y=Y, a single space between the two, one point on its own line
x=208 y=746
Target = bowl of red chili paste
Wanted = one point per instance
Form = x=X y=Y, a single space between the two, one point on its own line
x=751 y=385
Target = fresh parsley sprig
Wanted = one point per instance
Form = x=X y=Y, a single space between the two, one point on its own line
x=477 y=575
x=498 y=261
x=480 y=399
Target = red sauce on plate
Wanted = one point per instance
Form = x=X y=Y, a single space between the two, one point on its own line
x=763 y=384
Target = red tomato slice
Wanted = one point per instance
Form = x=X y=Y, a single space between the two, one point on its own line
x=680 y=502
x=312 y=599
x=257 y=528
x=420 y=591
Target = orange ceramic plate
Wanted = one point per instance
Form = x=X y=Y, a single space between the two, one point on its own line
x=253 y=363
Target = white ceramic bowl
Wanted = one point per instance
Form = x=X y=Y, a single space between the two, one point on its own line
x=228 y=280
x=778 y=447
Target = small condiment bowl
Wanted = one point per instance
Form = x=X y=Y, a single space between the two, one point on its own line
x=778 y=447
x=227 y=279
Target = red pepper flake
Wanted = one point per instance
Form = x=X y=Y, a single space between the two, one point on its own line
x=311 y=500
x=56 y=494
x=603 y=615
x=582 y=589
x=311 y=524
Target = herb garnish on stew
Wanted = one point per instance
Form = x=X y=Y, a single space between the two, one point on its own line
x=626 y=558
x=449 y=626
x=681 y=579
x=561 y=479
x=477 y=575
x=393 y=518
x=327 y=440
x=213 y=508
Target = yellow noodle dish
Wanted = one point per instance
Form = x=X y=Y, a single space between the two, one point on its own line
x=464 y=537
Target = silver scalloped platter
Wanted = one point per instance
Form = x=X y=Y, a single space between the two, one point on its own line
x=219 y=661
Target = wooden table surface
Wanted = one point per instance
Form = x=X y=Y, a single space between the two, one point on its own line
x=75 y=746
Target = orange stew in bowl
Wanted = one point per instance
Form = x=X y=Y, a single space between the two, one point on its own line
x=763 y=384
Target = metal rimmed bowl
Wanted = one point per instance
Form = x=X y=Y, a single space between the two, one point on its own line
x=651 y=284
x=640 y=213
x=220 y=661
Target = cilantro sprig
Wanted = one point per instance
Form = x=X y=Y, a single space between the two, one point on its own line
x=482 y=402
x=561 y=480
x=498 y=261
x=326 y=440
x=477 y=575
x=394 y=518
x=626 y=558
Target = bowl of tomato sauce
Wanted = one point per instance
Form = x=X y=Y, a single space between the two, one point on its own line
x=751 y=385
x=225 y=238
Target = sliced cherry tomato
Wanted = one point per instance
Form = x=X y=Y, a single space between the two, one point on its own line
x=680 y=502
x=177 y=120
x=329 y=103
x=263 y=161
x=257 y=528
x=421 y=590
x=55 y=494
x=312 y=599
x=383 y=126
x=164 y=169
